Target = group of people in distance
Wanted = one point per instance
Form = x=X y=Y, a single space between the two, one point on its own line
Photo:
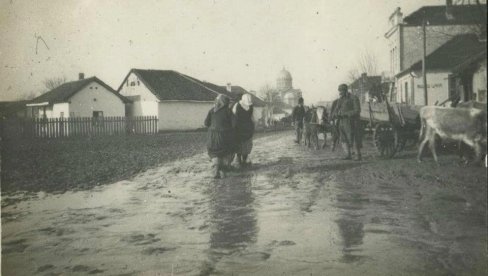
x=343 y=118
x=230 y=133
x=231 y=128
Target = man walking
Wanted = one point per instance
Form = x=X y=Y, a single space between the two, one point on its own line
x=350 y=130
x=298 y=115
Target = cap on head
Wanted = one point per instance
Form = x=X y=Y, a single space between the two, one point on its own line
x=343 y=87
x=300 y=100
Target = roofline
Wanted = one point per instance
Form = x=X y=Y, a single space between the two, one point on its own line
x=37 y=104
x=192 y=101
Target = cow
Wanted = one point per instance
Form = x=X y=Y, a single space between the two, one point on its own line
x=469 y=104
x=461 y=124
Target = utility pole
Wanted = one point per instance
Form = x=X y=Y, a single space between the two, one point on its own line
x=424 y=54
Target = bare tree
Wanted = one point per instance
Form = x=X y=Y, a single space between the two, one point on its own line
x=367 y=62
x=269 y=95
x=52 y=83
x=352 y=75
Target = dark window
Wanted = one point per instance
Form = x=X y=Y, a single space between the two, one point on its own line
x=97 y=114
x=132 y=83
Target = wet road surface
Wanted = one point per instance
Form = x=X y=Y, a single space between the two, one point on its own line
x=294 y=212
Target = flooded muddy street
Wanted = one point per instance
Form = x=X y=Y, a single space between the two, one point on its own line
x=295 y=211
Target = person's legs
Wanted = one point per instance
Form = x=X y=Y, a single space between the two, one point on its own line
x=216 y=167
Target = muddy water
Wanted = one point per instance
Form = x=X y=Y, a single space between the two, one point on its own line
x=292 y=213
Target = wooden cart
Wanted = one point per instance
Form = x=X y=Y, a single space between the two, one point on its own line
x=392 y=124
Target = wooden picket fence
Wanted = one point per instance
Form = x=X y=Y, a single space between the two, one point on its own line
x=77 y=126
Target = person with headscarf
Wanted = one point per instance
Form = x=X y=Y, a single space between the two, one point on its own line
x=244 y=128
x=350 y=130
x=220 y=137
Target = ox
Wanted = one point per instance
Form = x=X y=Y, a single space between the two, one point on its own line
x=461 y=124
x=316 y=122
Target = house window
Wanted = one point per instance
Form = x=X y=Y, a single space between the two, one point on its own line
x=132 y=83
x=138 y=83
x=97 y=114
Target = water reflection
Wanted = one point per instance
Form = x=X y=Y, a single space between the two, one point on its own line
x=350 y=223
x=233 y=219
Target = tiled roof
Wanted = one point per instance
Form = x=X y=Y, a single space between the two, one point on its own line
x=436 y=15
x=65 y=91
x=169 y=85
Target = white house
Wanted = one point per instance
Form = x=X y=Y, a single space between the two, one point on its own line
x=89 y=97
x=179 y=101
x=441 y=65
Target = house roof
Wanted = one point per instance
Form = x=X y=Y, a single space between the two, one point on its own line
x=436 y=15
x=169 y=85
x=65 y=91
x=452 y=53
x=10 y=108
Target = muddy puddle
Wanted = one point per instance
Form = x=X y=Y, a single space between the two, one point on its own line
x=292 y=213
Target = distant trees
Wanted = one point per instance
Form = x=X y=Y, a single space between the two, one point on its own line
x=367 y=62
x=51 y=83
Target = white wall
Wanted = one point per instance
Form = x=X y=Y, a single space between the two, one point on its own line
x=58 y=108
x=479 y=83
x=95 y=97
x=147 y=102
x=437 y=88
x=179 y=115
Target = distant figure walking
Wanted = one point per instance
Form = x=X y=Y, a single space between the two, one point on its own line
x=350 y=131
x=298 y=115
x=244 y=128
x=220 y=137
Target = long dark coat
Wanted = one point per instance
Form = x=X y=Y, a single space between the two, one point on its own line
x=347 y=111
x=220 y=136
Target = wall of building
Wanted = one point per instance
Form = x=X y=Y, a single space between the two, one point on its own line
x=436 y=37
x=145 y=104
x=179 y=115
x=95 y=97
x=479 y=82
x=133 y=86
x=437 y=87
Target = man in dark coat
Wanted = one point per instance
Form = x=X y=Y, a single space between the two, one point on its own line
x=298 y=115
x=350 y=130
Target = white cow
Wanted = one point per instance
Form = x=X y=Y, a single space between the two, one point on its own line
x=461 y=124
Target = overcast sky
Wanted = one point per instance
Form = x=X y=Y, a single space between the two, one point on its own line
x=242 y=42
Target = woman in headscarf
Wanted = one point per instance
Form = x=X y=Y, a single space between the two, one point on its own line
x=244 y=127
x=220 y=137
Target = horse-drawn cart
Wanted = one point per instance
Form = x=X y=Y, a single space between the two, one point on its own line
x=392 y=125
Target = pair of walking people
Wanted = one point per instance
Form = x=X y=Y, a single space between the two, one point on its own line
x=230 y=133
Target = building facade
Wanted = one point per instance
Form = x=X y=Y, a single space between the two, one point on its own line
x=89 y=97
x=405 y=41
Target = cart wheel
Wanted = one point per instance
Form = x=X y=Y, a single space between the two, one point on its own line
x=386 y=140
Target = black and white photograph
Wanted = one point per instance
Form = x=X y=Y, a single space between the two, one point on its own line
x=243 y=137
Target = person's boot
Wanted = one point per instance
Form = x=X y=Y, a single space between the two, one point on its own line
x=347 y=149
x=215 y=168
x=239 y=161
x=359 y=157
x=244 y=160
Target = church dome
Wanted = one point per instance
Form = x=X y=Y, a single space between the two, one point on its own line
x=284 y=75
x=284 y=80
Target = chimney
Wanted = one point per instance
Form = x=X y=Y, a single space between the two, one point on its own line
x=449 y=14
x=81 y=76
x=229 y=87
